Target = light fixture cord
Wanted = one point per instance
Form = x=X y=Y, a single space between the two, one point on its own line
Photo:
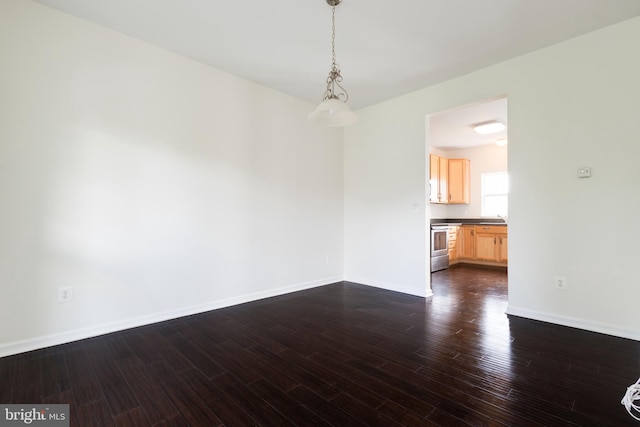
x=335 y=77
x=333 y=36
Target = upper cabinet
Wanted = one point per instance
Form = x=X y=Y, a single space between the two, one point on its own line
x=459 y=180
x=438 y=178
x=449 y=180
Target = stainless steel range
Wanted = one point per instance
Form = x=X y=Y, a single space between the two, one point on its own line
x=439 y=247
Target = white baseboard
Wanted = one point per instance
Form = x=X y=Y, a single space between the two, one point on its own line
x=424 y=292
x=36 y=343
x=586 y=325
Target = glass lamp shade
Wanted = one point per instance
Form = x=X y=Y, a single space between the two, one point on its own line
x=333 y=112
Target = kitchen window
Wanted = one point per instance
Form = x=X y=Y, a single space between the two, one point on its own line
x=495 y=193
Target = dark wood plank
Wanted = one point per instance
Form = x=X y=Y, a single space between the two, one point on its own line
x=261 y=411
x=115 y=388
x=226 y=409
x=28 y=393
x=230 y=361
x=27 y=369
x=361 y=411
x=403 y=415
x=54 y=373
x=133 y=418
x=299 y=374
x=153 y=401
x=186 y=400
x=95 y=414
x=7 y=375
x=65 y=398
x=326 y=410
x=175 y=421
x=197 y=357
x=333 y=378
x=298 y=414
x=258 y=357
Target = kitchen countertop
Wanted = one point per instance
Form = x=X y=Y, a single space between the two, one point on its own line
x=467 y=221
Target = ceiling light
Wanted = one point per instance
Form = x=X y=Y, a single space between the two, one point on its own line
x=489 y=127
x=502 y=142
x=333 y=111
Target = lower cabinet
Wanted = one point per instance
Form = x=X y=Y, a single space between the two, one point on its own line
x=504 y=248
x=484 y=244
x=454 y=244
x=467 y=242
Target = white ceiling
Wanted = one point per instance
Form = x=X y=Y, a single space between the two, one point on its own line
x=454 y=128
x=384 y=48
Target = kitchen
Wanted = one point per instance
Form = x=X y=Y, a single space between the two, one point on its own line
x=468 y=185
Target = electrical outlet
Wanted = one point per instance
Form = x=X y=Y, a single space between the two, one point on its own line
x=65 y=294
x=560 y=282
x=584 y=172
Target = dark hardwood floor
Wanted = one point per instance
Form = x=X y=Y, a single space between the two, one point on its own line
x=343 y=355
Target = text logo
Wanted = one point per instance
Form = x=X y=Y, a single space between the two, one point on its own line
x=36 y=415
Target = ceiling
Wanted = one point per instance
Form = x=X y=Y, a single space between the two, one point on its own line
x=454 y=128
x=383 y=51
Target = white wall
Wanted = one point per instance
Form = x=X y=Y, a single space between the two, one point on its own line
x=152 y=184
x=482 y=159
x=570 y=105
x=385 y=196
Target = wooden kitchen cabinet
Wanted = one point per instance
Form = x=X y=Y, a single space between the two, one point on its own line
x=504 y=248
x=453 y=243
x=483 y=244
x=458 y=184
x=486 y=246
x=491 y=243
x=448 y=180
x=438 y=178
x=467 y=242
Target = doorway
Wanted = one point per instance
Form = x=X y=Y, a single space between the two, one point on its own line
x=468 y=182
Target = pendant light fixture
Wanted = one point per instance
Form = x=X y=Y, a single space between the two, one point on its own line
x=333 y=111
